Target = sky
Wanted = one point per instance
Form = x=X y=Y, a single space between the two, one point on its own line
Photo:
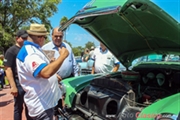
x=79 y=37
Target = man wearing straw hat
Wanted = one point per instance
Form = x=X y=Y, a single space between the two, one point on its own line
x=37 y=74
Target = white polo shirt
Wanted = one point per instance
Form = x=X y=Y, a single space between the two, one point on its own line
x=104 y=61
x=41 y=94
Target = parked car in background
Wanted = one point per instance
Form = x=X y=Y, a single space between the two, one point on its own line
x=84 y=67
x=147 y=90
x=78 y=59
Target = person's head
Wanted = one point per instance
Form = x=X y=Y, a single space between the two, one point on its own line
x=37 y=34
x=21 y=35
x=86 y=51
x=103 y=47
x=57 y=37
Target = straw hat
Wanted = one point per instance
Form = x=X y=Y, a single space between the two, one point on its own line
x=37 y=29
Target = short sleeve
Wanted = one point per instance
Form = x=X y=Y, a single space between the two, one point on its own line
x=9 y=59
x=94 y=53
x=34 y=64
x=116 y=61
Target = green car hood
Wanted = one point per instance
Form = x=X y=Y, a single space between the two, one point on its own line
x=129 y=28
x=169 y=105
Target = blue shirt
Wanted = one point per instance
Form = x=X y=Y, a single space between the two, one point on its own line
x=69 y=65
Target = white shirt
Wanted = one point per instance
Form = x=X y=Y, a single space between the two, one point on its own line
x=69 y=65
x=41 y=94
x=91 y=53
x=104 y=61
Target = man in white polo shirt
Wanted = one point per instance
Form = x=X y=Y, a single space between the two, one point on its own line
x=104 y=61
x=37 y=74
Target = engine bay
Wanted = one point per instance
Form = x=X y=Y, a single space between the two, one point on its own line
x=156 y=82
x=120 y=96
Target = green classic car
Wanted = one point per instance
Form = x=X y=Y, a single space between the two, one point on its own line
x=150 y=90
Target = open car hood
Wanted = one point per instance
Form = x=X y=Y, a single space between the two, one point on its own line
x=129 y=28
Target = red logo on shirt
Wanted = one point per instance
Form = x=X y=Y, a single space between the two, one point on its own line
x=34 y=65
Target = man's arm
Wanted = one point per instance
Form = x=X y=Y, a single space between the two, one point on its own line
x=10 y=78
x=53 y=67
x=93 y=69
x=116 y=67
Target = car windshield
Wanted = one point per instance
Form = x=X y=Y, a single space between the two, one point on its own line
x=158 y=58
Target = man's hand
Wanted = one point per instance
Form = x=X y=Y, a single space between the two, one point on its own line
x=14 y=91
x=59 y=78
x=63 y=52
x=52 y=60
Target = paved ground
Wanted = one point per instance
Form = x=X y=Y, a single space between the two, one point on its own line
x=6 y=105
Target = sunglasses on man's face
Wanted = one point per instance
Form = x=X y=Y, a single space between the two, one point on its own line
x=42 y=36
x=56 y=36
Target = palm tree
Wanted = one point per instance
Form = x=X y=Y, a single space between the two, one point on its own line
x=62 y=22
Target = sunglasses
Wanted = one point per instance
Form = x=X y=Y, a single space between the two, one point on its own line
x=56 y=36
x=42 y=36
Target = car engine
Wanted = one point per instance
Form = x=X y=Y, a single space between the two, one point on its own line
x=122 y=95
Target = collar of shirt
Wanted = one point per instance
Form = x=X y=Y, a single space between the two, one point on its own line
x=31 y=43
x=103 y=52
x=62 y=45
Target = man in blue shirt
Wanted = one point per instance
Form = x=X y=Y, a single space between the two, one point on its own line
x=69 y=68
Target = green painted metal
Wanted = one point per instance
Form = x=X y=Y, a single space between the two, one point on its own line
x=98 y=4
x=170 y=104
x=130 y=29
x=164 y=64
x=136 y=28
x=75 y=84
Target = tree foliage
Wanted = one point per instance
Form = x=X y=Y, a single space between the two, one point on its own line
x=89 y=44
x=77 y=50
x=17 y=13
x=62 y=22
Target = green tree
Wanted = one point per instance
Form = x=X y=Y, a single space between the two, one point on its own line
x=89 y=44
x=62 y=22
x=17 y=13
x=77 y=50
